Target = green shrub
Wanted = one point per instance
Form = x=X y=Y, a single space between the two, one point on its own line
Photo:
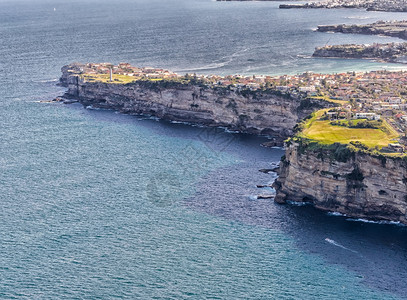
x=342 y=153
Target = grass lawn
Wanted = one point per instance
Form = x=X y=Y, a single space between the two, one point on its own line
x=324 y=132
x=116 y=78
x=340 y=102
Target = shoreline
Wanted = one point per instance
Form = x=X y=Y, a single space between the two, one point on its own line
x=274 y=111
x=368 y=5
x=390 y=52
x=396 y=29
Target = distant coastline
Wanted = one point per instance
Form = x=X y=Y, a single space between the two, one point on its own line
x=391 y=52
x=392 y=28
x=370 y=5
x=257 y=0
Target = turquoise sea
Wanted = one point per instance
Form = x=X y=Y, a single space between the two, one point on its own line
x=99 y=205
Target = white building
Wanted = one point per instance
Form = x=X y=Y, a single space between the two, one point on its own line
x=369 y=116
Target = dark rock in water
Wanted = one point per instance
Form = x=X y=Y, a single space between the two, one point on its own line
x=60 y=100
x=265 y=196
x=266 y=171
x=57 y=99
x=280 y=198
x=274 y=143
x=70 y=101
x=260 y=186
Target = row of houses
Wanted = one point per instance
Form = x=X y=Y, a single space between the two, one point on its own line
x=347 y=114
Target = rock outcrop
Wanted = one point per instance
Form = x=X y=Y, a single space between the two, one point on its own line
x=268 y=112
x=391 y=52
x=356 y=184
x=394 y=29
x=369 y=5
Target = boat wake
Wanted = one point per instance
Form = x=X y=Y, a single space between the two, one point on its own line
x=332 y=242
x=304 y=56
x=222 y=62
x=46 y=81
x=357 y=17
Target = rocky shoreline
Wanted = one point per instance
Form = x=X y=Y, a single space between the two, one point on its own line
x=392 y=52
x=264 y=112
x=370 y=5
x=393 y=29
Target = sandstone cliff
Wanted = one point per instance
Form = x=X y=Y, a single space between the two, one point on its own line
x=356 y=184
x=260 y=112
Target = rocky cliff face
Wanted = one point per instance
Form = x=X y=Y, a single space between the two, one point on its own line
x=385 y=52
x=258 y=112
x=357 y=184
x=398 y=29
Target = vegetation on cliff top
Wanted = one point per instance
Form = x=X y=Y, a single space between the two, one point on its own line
x=126 y=79
x=343 y=138
x=187 y=80
x=324 y=131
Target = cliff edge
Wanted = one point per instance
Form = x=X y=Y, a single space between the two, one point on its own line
x=337 y=179
x=267 y=111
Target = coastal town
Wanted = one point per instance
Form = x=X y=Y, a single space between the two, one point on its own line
x=372 y=96
x=370 y=5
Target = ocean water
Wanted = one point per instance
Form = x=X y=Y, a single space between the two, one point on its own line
x=99 y=205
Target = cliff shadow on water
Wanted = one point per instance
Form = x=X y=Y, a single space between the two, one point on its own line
x=230 y=191
x=376 y=253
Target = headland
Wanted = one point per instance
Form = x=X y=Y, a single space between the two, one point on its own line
x=346 y=146
x=355 y=167
x=251 y=104
x=370 y=5
x=391 y=52
x=386 y=28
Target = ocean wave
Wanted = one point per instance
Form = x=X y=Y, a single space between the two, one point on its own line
x=295 y=203
x=252 y=197
x=376 y=222
x=146 y=117
x=382 y=222
x=335 y=214
x=180 y=122
x=229 y=130
x=91 y=107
